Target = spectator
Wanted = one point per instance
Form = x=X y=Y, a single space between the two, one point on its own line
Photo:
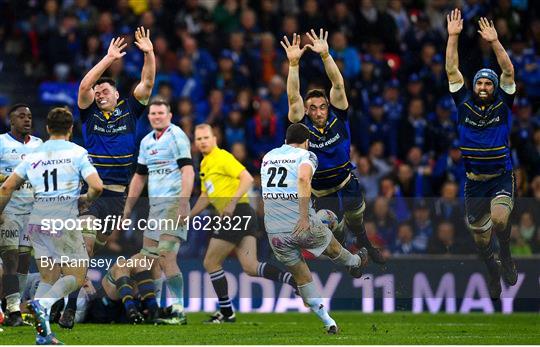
x=368 y=176
x=385 y=219
x=191 y=16
x=422 y=224
x=227 y=79
x=311 y=17
x=374 y=237
x=399 y=14
x=390 y=190
x=227 y=15
x=442 y=126
x=450 y=167
x=4 y=119
x=235 y=131
x=404 y=241
x=340 y=49
x=518 y=245
x=393 y=103
x=249 y=27
x=214 y=111
x=449 y=208
x=444 y=241
x=377 y=128
x=278 y=96
x=341 y=19
x=527 y=226
x=264 y=131
x=373 y=23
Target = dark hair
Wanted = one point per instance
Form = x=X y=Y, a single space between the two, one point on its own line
x=315 y=93
x=102 y=80
x=59 y=121
x=159 y=102
x=16 y=106
x=297 y=133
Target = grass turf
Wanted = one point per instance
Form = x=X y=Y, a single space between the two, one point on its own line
x=295 y=328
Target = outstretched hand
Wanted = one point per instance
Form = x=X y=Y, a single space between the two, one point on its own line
x=487 y=30
x=318 y=44
x=142 y=40
x=294 y=52
x=455 y=22
x=116 y=47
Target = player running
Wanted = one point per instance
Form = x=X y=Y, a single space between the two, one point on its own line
x=224 y=184
x=54 y=170
x=14 y=241
x=484 y=124
x=334 y=186
x=291 y=222
x=165 y=162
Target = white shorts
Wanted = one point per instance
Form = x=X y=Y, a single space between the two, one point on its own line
x=288 y=247
x=57 y=246
x=12 y=230
x=162 y=219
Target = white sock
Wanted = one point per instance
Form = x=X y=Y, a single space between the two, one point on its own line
x=158 y=283
x=346 y=258
x=61 y=288
x=312 y=298
x=13 y=302
x=42 y=289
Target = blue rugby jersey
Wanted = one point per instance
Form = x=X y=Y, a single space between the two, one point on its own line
x=484 y=132
x=110 y=138
x=332 y=147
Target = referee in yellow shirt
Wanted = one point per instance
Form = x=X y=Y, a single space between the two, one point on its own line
x=224 y=184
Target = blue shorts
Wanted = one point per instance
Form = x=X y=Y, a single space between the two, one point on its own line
x=479 y=194
x=348 y=198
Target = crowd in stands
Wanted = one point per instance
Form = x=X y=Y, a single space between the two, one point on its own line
x=220 y=62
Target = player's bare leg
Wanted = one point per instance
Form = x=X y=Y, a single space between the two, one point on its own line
x=355 y=263
x=246 y=251
x=311 y=296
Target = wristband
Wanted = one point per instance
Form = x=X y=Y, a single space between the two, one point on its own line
x=325 y=55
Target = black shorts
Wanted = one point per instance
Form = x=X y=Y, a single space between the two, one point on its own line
x=348 y=198
x=243 y=223
x=478 y=194
x=109 y=203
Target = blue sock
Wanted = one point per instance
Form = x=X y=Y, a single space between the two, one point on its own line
x=125 y=291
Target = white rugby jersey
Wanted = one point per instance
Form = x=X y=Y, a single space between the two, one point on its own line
x=12 y=153
x=160 y=155
x=55 y=170
x=279 y=180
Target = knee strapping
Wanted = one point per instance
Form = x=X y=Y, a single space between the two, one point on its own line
x=151 y=252
x=168 y=246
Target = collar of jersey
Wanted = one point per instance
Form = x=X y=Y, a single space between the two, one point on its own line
x=24 y=141
x=329 y=123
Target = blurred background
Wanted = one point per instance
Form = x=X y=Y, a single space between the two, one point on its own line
x=220 y=62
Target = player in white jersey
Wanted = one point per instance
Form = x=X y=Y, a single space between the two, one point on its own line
x=291 y=222
x=55 y=170
x=14 y=241
x=165 y=162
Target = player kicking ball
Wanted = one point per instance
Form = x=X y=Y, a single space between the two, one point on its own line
x=54 y=170
x=291 y=222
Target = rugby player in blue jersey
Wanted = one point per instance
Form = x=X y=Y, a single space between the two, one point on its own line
x=109 y=125
x=484 y=124
x=333 y=186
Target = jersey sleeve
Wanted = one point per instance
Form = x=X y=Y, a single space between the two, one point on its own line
x=309 y=158
x=461 y=95
x=22 y=169
x=507 y=98
x=85 y=166
x=85 y=112
x=141 y=159
x=135 y=106
x=181 y=146
x=341 y=114
x=231 y=166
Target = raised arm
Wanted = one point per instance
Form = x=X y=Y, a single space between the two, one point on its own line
x=338 y=96
x=455 y=25
x=148 y=75
x=86 y=92
x=294 y=53
x=488 y=33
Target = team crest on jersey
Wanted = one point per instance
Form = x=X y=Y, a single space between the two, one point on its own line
x=153 y=152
